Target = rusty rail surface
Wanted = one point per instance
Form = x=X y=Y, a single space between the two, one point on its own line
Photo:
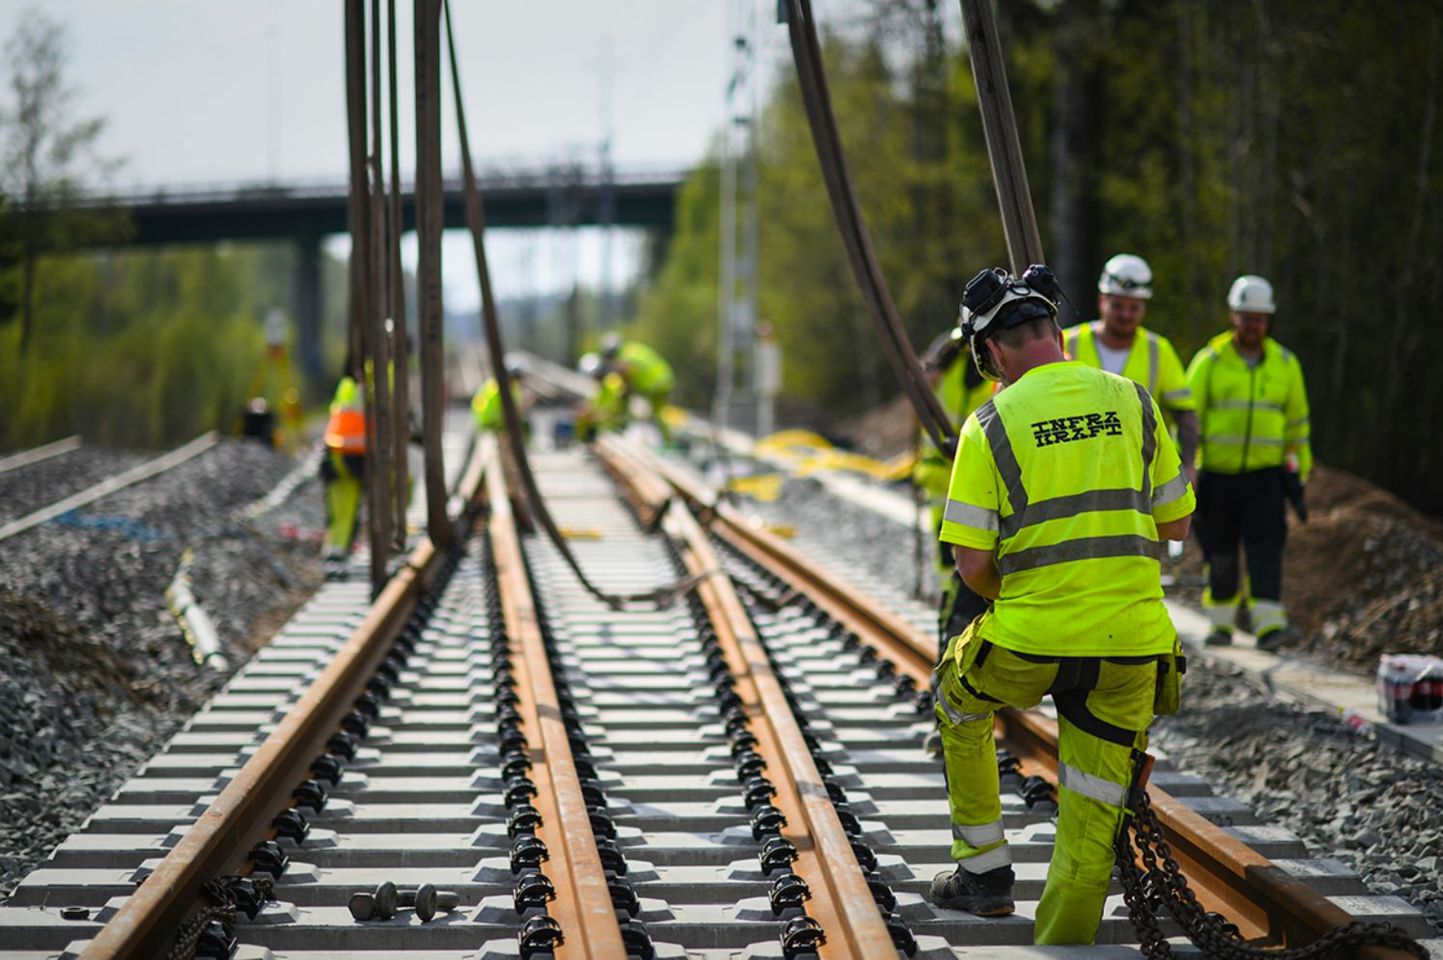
x=217 y=842
x=583 y=904
x=1266 y=903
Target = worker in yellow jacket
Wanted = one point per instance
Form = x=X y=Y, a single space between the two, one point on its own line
x=1256 y=456
x=644 y=372
x=606 y=408
x=486 y=403
x=343 y=470
x=1062 y=484
x=960 y=389
x=1118 y=343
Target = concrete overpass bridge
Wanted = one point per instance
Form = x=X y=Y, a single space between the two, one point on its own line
x=305 y=213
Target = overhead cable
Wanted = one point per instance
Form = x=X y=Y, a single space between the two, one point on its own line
x=511 y=416
x=807 y=56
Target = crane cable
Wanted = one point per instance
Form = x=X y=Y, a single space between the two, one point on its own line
x=806 y=55
x=511 y=416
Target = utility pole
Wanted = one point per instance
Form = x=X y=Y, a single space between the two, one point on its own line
x=737 y=298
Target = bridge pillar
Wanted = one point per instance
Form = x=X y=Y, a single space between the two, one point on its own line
x=308 y=310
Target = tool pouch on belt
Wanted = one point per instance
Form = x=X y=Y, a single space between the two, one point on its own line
x=1170 y=668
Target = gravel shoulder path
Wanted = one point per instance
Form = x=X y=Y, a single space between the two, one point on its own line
x=95 y=674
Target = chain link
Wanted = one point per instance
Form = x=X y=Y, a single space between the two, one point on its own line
x=1157 y=887
x=219 y=905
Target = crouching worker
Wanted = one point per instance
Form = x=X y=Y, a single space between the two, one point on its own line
x=1060 y=489
x=486 y=404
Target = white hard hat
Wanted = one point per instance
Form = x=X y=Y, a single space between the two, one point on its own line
x=590 y=364
x=1250 y=294
x=1126 y=275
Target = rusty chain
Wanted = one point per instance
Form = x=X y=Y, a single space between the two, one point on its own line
x=1157 y=887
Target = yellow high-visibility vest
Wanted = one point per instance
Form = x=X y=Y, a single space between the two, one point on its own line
x=1151 y=361
x=645 y=370
x=1065 y=475
x=1252 y=415
x=958 y=399
x=486 y=404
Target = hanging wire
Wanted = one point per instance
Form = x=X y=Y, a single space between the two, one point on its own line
x=511 y=416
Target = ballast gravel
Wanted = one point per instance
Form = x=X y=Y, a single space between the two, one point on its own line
x=1343 y=793
x=95 y=673
x=26 y=489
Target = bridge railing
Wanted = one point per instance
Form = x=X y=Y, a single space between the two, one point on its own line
x=498 y=177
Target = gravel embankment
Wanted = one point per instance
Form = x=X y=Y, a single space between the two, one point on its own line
x=26 y=489
x=1343 y=793
x=95 y=675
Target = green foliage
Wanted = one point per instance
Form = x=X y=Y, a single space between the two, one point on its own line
x=141 y=349
x=1299 y=139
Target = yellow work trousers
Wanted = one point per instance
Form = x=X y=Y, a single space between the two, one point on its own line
x=1104 y=707
x=343 y=500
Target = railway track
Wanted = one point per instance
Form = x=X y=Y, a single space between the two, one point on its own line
x=740 y=774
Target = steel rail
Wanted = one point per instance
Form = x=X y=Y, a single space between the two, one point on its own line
x=583 y=903
x=841 y=900
x=36 y=454
x=1260 y=897
x=109 y=485
x=242 y=813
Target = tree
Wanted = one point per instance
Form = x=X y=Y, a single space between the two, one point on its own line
x=45 y=155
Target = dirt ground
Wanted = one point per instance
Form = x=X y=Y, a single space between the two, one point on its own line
x=1363 y=577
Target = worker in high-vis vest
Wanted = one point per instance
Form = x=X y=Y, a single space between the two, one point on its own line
x=1062 y=484
x=645 y=373
x=343 y=469
x=960 y=389
x=1256 y=456
x=486 y=403
x=606 y=408
x=1118 y=343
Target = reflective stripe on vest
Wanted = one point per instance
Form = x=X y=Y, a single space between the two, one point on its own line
x=1026 y=513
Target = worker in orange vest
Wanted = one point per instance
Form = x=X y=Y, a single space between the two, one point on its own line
x=343 y=470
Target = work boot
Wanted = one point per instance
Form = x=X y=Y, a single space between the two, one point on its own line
x=1220 y=637
x=1277 y=638
x=984 y=894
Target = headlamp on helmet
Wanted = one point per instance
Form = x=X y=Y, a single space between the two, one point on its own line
x=994 y=300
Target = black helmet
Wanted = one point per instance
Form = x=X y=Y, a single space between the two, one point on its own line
x=994 y=300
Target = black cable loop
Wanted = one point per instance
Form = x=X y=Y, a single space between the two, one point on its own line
x=663 y=596
x=806 y=55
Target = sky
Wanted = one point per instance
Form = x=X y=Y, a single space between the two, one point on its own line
x=225 y=91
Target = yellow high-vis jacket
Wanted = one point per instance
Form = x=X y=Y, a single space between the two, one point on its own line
x=959 y=399
x=486 y=404
x=1151 y=362
x=644 y=369
x=1065 y=476
x=1251 y=417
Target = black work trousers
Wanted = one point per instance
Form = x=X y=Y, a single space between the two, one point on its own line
x=1247 y=507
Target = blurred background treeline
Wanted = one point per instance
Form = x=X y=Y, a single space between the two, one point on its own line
x=1298 y=139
